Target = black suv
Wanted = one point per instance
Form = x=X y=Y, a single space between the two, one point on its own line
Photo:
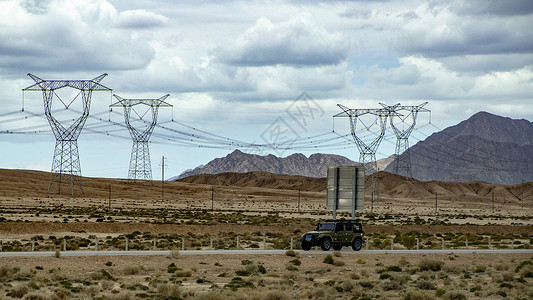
x=336 y=234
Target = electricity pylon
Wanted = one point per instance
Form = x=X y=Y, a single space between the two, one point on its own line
x=367 y=151
x=402 y=165
x=66 y=163
x=140 y=167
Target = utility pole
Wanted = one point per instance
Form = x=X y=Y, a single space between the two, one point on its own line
x=436 y=206
x=212 y=198
x=299 y=201
x=163 y=178
x=109 y=203
x=493 y=202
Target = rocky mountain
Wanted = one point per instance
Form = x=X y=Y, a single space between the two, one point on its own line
x=296 y=164
x=486 y=147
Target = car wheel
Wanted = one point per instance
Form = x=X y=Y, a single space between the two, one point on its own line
x=357 y=244
x=337 y=247
x=326 y=244
x=306 y=246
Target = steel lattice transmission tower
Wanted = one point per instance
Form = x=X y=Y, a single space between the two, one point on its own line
x=367 y=151
x=66 y=163
x=402 y=165
x=140 y=167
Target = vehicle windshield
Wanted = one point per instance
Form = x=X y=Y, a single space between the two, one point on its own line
x=325 y=226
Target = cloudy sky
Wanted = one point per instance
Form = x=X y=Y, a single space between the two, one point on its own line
x=238 y=68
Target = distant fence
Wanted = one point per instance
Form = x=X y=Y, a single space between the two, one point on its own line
x=258 y=241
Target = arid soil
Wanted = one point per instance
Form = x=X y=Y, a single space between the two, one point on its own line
x=264 y=210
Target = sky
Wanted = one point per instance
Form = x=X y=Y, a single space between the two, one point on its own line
x=240 y=70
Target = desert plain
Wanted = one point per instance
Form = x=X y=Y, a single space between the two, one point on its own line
x=261 y=211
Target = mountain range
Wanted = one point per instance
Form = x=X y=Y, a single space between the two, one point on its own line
x=296 y=164
x=485 y=147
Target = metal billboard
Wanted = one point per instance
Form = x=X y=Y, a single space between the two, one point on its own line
x=346 y=189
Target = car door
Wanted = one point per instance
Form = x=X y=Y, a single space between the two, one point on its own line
x=339 y=233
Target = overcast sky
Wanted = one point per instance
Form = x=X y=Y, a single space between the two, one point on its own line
x=234 y=68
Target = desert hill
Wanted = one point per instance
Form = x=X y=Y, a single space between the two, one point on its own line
x=391 y=185
x=17 y=184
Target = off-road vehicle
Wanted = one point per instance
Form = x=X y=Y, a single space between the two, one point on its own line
x=336 y=234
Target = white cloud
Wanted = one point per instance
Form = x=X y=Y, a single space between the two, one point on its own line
x=297 y=42
x=140 y=19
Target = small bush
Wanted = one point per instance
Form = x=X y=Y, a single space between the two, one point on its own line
x=425 y=285
x=261 y=269
x=338 y=263
x=183 y=274
x=337 y=254
x=430 y=265
x=328 y=259
x=440 y=292
x=276 y=295
x=416 y=295
x=291 y=253
x=242 y=272
x=394 y=269
x=169 y=291
x=385 y=276
x=18 y=291
x=296 y=262
x=361 y=262
x=454 y=296
x=480 y=269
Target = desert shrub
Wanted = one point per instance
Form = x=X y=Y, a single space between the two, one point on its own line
x=35 y=296
x=475 y=288
x=348 y=286
x=242 y=272
x=416 y=295
x=384 y=276
x=328 y=259
x=367 y=284
x=18 y=291
x=338 y=263
x=6 y=272
x=261 y=269
x=238 y=282
x=276 y=295
x=337 y=254
x=480 y=269
x=361 y=262
x=131 y=270
x=393 y=269
x=183 y=274
x=169 y=291
x=246 y=262
x=211 y=296
x=355 y=276
x=401 y=278
x=296 y=262
x=425 y=285
x=172 y=268
x=290 y=253
x=430 y=265
x=440 y=292
x=391 y=285
x=454 y=295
